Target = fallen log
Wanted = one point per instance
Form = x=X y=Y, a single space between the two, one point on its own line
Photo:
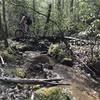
x=52 y=38
x=81 y=40
x=32 y=81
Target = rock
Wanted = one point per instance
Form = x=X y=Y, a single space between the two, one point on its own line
x=36 y=71
x=60 y=54
x=48 y=66
x=28 y=55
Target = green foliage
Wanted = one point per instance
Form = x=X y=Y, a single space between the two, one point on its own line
x=21 y=46
x=8 y=55
x=9 y=50
x=66 y=59
x=53 y=93
x=19 y=72
x=61 y=16
x=54 y=49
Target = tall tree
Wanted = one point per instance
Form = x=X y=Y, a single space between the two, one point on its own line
x=0 y=26
x=71 y=5
x=48 y=18
x=34 y=14
x=5 y=36
x=0 y=20
x=60 y=14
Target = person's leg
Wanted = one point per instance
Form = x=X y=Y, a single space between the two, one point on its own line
x=26 y=28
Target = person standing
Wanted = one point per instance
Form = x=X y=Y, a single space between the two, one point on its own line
x=25 y=22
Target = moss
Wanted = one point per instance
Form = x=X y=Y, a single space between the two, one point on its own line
x=52 y=93
x=54 y=48
x=23 y=47
x=60 y=54
x=20 y=46
x=35 y=87
x=10 y=51
x=19 y=72
x=67 y=59
x=8 y=56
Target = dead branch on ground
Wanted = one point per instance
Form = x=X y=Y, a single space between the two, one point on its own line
x=32 y=81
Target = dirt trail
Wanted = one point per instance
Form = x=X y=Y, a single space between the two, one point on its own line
x=80 y=85
x=81 y=94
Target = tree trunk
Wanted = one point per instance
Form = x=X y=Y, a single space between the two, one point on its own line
x=60 y=17
x=71 y=6
x=0 y=24
x=0 y=21
x=63 y=6
x=47 y=20
x=5 y=24
x=0 y=27
x=34 y=11
x=34 y=17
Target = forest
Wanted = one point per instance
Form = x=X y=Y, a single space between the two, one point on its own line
x=49 y=49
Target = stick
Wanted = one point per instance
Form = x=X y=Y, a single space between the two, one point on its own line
x=31 y=81
x=2 y=61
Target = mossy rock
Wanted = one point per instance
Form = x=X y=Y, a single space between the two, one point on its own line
x=19 y=72
x=52 y=93
x=61 y=54
x=8 y=55
x=54 y=48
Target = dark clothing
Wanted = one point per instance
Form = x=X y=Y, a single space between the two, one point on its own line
x=29 y=21
x=24 y=23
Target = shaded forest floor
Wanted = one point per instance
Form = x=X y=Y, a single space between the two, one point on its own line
x=82 y=85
